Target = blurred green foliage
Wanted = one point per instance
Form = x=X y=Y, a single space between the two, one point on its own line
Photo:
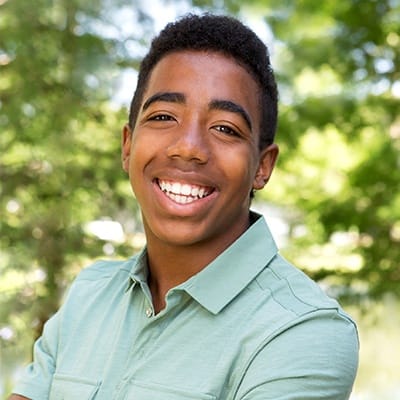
x=338 y=70
x=59 y=158
x=337 y=179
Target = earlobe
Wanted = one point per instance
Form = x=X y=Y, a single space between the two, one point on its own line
x=126 y=146
x=266 y=165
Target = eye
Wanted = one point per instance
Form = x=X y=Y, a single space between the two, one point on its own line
x=161 y=117
x=227 y=130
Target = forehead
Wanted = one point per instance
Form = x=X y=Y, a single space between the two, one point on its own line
x=205 y=75
x=200 y=62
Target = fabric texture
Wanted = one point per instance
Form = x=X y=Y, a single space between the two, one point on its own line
x=249 y=326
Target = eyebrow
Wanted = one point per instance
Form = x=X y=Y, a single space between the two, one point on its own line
x=230 y=106
x=176 y=97
x=171 y=97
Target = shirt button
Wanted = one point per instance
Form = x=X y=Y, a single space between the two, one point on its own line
x=149 y=312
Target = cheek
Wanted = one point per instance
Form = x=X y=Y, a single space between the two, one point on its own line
x=135 y=165
x=142 y=154
x=139 y=150
x=240 y=168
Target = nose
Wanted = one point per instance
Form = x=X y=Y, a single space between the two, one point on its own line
x=190 y=144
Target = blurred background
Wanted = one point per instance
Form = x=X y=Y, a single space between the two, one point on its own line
x=67 y=74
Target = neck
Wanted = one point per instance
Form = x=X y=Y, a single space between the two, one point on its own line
x=171 y=264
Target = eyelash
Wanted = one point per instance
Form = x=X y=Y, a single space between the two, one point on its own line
x=161 y=117
x=227 y=130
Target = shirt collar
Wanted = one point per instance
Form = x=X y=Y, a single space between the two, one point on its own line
x=225 y=277
x=138 y=271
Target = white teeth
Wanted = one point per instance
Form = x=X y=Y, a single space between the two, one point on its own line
x=180 y=199
x=182 y=193
x=195 y=191
x=186 y=189
x=176 y=187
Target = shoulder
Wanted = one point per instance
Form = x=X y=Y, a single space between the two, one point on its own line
x=105 y=269
x=306 y=344
x=99 y=280
x=285 y=298
x=292 y=289
x=315 y=358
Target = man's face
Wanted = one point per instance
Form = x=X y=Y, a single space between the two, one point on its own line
x=193 y=156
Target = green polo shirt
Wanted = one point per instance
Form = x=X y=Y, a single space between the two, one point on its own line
x=248 y=326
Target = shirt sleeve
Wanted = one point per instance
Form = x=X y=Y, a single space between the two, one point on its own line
x=36 y=379
x=315 y=359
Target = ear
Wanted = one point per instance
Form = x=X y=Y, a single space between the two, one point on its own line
x=126 y=146
x=266 y=164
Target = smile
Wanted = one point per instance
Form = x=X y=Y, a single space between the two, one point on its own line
x=183 y=193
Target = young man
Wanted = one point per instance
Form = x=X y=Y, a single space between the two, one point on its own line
x=208 y=310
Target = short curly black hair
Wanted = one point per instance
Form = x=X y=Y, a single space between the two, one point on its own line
x=225 y=35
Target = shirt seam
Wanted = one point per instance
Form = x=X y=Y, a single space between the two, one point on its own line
x=300 y=318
